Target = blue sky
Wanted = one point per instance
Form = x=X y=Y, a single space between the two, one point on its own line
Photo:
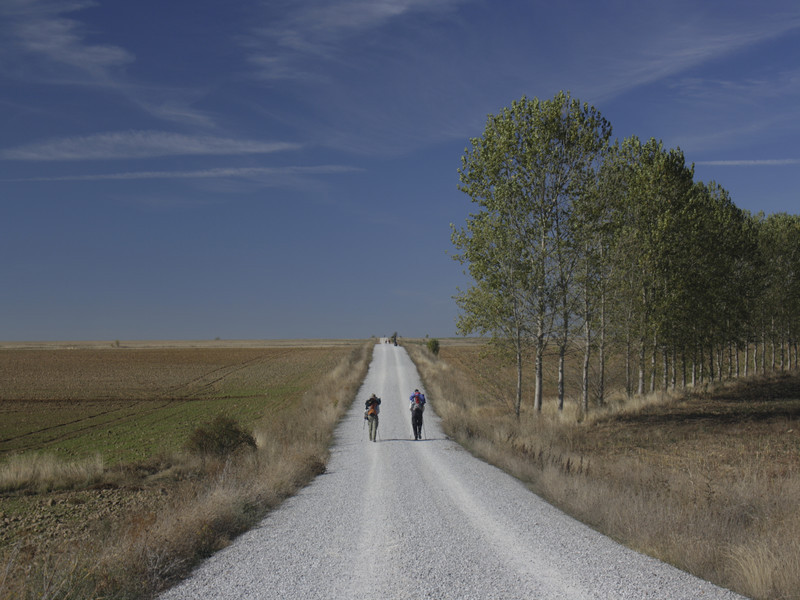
x=288 y=168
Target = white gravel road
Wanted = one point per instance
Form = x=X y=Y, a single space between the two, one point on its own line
x=424 y=519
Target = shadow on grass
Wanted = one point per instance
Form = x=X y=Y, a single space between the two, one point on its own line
x=755 y=400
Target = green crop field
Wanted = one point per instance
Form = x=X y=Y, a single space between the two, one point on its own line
x=129 y=404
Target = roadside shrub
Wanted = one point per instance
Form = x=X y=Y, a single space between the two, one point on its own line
x=221 y=436
x=433 y=346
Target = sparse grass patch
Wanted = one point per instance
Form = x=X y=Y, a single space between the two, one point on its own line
x=707 y=479
x=45 y=473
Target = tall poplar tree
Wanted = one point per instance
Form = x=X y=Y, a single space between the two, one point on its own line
x=494 y=305
x=533 y=160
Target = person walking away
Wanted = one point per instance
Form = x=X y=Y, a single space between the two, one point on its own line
x=371 y=409
x=417 y=408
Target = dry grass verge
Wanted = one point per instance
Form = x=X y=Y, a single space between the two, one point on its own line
x=191 y=505
x=45 y=473
x=707 y=481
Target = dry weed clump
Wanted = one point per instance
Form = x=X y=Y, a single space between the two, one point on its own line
x=212 y=497
x=706 y=480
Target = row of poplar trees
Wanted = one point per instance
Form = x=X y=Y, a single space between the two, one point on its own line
x=582 y=243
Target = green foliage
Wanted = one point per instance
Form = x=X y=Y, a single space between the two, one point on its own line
x=433 y=346
x=579 y=241
x=527 y=172
x=221 y=436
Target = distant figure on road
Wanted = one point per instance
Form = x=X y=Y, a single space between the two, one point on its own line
x=417 y=408
x=371 y=409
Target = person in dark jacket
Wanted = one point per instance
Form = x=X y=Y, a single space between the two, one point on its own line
x=417 y=408
x=371 y=409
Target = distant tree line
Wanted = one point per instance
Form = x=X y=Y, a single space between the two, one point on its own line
x=578 y=240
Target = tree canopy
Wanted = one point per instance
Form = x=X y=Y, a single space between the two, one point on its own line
x=578 y=241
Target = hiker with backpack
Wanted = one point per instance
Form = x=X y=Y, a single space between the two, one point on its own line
x=371 y=409
x=417 y=408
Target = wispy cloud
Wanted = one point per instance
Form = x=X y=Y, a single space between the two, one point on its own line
x=317 y=30
x=389 y=76
x=776 y=162
x=139 y=144
x=780 y=85
x=42 y=41
x=278 y=174
x=709 y=136
x=39 y=29
x=373 y=76
x=672 y=48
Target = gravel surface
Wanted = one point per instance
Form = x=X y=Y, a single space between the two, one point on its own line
x=400 y=518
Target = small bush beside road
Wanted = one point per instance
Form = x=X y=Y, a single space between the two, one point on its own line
x=221 y=436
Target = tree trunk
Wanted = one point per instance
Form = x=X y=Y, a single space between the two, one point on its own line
x=730 y=360
x=640 y=389
x=518 y=402
x=783 y=353
x=746 y=357
x=537 y=394
x=587 y=352
x=702 y=365
x=561 y=353
x=774 y=354
x=772 y=345
x=755 y=356
x=674 y=378
x=683 y=368
x=711 y=372
x=601 y=386
x=628 y=369
x=653 y=366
